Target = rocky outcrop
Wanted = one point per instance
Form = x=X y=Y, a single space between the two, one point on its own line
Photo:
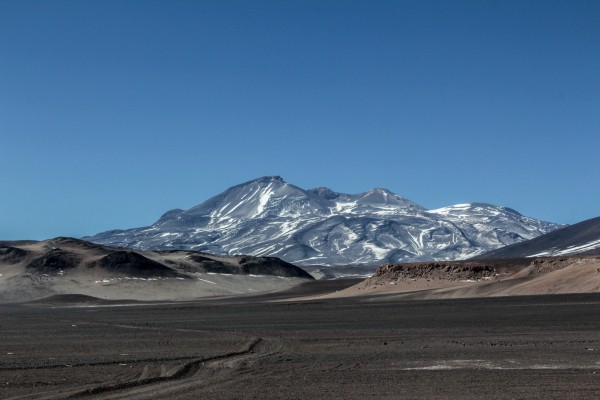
x=436 y=270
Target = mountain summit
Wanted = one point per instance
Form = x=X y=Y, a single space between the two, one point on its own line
x=268 y=216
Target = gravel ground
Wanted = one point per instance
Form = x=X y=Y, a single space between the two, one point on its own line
x=539 y=347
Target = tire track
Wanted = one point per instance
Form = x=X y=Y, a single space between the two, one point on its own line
x=193 y=373
x=185 y=372
x=156 y=378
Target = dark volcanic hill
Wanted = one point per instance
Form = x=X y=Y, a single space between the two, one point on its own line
x=31 y=270
x=269 y=216
x=63 y=254
x=583 y=237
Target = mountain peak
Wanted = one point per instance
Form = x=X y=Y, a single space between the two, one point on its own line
x=384 y=197
x=325 y=193
x=380 y=190
x=268 y=179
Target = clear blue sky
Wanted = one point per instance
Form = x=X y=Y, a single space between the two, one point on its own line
x=113 y=112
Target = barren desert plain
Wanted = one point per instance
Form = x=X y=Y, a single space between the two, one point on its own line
x=275 y=347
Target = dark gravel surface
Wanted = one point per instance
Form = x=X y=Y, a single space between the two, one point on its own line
x=543 y=347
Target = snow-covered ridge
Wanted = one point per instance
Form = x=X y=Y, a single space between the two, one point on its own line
x=593 y=245
x=268 y=216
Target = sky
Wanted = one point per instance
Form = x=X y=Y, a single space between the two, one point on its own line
x=114 y=112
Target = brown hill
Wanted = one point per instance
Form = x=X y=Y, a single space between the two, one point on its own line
x=482 y=278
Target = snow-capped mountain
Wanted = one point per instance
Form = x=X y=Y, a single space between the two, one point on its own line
x=269 y=216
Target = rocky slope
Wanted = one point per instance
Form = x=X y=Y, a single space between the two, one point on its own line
x=269 y=216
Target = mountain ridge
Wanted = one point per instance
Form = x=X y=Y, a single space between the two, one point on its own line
x=579 y=238
x=269 y=216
